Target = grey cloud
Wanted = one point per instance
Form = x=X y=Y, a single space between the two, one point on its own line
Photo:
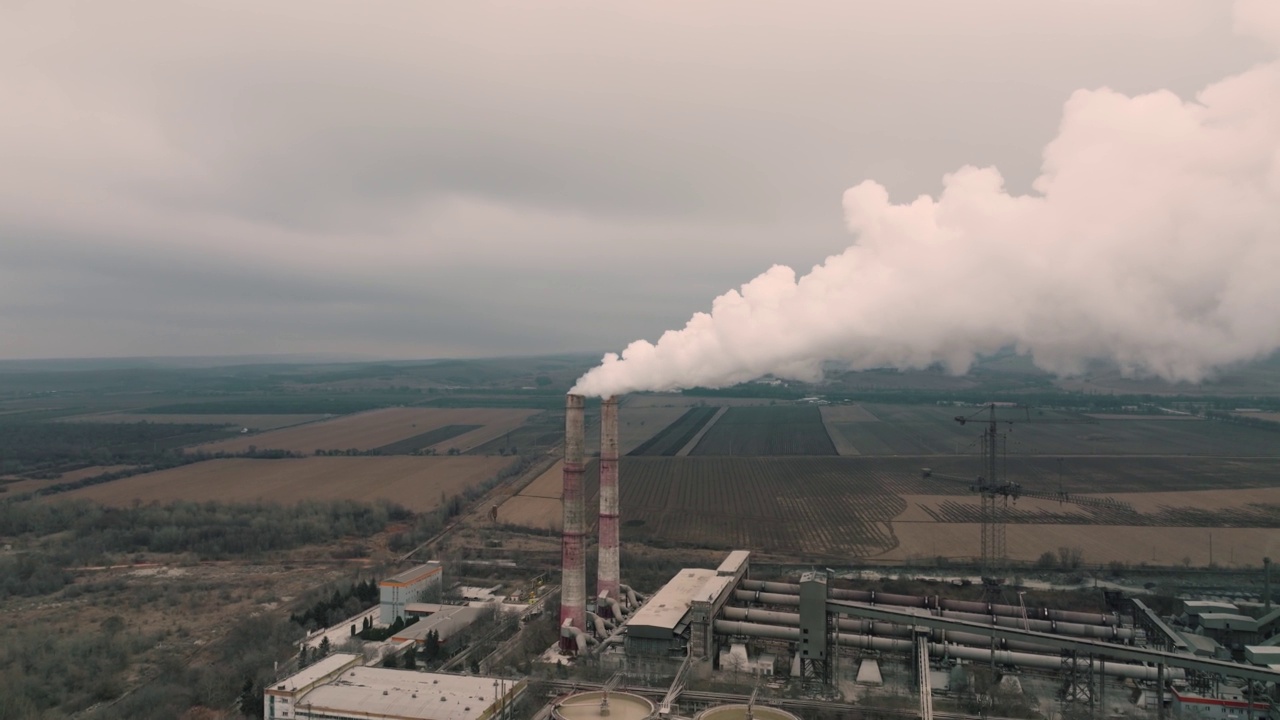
x=426 y=178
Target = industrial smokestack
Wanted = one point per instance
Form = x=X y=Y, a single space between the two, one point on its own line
x=573 y=590
x=607 y=577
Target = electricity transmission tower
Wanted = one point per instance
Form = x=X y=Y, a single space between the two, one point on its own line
x=995 y=493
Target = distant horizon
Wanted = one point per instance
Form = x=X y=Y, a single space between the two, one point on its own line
x=285 y=358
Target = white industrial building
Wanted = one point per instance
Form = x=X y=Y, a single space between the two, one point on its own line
x=407 y=587
x=679 y=615
x=339 y=687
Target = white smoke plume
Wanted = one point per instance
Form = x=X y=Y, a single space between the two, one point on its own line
x=1152 y=240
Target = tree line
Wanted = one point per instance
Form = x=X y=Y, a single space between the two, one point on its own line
x=79 y=532
x=27 y=448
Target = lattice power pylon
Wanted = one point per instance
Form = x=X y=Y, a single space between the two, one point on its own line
x=995 y=493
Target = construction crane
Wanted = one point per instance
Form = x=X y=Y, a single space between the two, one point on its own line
x=996 y=493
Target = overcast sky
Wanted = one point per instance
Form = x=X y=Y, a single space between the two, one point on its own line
x=425 y=179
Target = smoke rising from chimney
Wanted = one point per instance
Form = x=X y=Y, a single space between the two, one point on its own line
x=1152 y=240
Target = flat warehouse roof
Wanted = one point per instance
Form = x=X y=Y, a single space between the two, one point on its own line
x=669 y=605
x=387 y=692
x=316 y=671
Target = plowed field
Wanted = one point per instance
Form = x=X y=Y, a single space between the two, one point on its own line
x=418 y=483
x=767 y=432
x=1099 y=544
x=864 y=506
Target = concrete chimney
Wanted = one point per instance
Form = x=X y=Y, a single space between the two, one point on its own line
x=607 y=577
x=573 y=582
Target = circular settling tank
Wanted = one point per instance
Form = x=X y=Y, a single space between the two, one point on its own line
x=739 y=712
x=622 y=706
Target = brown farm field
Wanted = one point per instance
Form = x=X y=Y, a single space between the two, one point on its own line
x=882 y=508
x=635 y=425
x=1099 y=544
x=254 y=422
x=539 y=506
x=418 y=483
x=376 y=428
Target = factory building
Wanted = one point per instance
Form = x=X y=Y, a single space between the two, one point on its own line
x=446 y=620
x=338 y=687
x=407 y=587
x=1192 y=610
x=680 y=615
x=662 y=627
x=1229 y=629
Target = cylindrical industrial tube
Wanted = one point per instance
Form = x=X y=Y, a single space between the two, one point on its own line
x=880 y=629
x=573 y=591
x=1004 y=657
x=608 y=572
x=1104 y=632
x=967 y=606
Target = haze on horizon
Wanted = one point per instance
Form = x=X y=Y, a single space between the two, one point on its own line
x=503 y=178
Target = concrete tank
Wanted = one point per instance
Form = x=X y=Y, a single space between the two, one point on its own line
x=739 y=712
x=622 y=706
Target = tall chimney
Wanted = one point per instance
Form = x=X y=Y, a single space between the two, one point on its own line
x=573 y=590
x=607 y=577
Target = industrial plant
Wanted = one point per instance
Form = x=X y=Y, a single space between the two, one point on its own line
x=1209 y=659
x=743 y=636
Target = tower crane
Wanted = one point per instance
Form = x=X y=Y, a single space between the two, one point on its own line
x=996 y=493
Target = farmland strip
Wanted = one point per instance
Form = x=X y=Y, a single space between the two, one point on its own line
x=688 y=447
x=768 y=431
x=676 y=435
x=408 y=445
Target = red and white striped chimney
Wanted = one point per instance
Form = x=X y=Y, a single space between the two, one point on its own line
x=607 y=576
x=573 y=582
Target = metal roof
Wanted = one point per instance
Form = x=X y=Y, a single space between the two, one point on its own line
x=387 y=692
x=1197 y=607
x=447 y=622
x=412 y=573
x=1222 y=621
